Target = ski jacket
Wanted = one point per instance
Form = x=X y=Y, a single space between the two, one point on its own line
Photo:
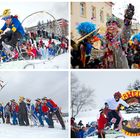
x=7 y=109
x=14 y=26
x=1 y=109
x=45 y=108
x=52 y=105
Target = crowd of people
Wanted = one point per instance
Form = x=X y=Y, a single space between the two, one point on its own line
x=78 y=130
x=25 y=113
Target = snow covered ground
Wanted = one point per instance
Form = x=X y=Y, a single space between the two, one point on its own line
x=10 y=131
x=58 y=62
x=90 y=116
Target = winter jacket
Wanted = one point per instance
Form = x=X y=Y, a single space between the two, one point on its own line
x=22 y=108
x=14 y=26
x=1 y=109
x=101 y=122
x=7 y=110
x=45 y=108
x=52 y=105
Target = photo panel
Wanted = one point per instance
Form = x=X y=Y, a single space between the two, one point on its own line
x=105 y=35
x=34 y=35
x=105 y=104
x=34 y=104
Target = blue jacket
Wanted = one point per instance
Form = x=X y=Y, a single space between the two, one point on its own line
x=1 y=109
x=88 y=48
x=52 y=105
x=14 y=26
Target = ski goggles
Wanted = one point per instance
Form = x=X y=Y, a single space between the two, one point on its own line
x=7 y=17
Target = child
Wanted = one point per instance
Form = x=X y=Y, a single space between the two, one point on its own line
x=101 y=124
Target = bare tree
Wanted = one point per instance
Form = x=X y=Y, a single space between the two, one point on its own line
x=81 y=96
x=134 y=86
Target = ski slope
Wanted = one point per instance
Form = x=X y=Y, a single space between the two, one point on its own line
x=9 y=131
x=58 y=62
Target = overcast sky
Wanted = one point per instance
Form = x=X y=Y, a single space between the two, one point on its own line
x=23 y=8
x=35 y=85
x=105 y=83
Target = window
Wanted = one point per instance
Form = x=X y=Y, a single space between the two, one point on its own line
x=107 y=16
x=93 y=14
x=101 y=16
x=83 y=9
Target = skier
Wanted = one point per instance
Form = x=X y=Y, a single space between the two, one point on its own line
x=31 y=113
x=45 y=110
x=1 y=113
x=39 y=112
x=114 y=106
x=10 y=38
x=14 y=112
x=7 y=112
x=23 y=116
x=54 y=109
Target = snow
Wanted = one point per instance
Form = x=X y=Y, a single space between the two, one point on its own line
x=11 y=131
x=58 y=62
x=90 y=116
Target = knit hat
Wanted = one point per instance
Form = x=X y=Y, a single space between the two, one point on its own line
x=114 y=19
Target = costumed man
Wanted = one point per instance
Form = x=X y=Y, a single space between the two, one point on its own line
x=85 y=44
x=114 y=107
x=31 y=113
x=39 y=112
x=23 y=115
x=54 y=109
x=1 y=113
x=45 y=110
x=116 y=42
x=136 y=46
x=14 y=111
x=7 y=112
x=9 y=39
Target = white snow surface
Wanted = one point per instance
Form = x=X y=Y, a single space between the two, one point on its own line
x=14 y=131
x=58 y=62
x=90 y=116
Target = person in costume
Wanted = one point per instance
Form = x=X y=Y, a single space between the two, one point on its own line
x=136 y=46
x=9 y=38
x=116 y=42
x=114 y=106
x=85 y=45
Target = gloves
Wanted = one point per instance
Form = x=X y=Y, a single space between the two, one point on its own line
x=129 y=12
x=1 y=31
x=129 y=15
